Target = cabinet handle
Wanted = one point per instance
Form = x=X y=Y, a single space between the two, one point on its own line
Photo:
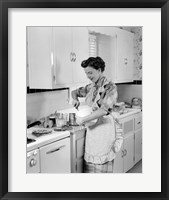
x=74 y=57
x=54 y=74
x=57 y=149
x=122 y=153
x=125 y=152
x=71 y=56
x=51 y=57
x=138 y=122
x=54 y=67
x=125 y=61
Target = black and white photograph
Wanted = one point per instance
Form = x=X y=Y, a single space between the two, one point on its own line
x=83 y=95
x=84 y=99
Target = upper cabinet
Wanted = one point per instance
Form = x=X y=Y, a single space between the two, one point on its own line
x=55 y=55
x=115 y=46
x=125 y=58
x=81 y=52
x=40 y=60
x=62 y=52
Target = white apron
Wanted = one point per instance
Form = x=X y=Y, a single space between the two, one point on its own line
x=100 y=136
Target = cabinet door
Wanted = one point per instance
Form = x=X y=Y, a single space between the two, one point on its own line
x=81 y=52
x=55 y=157
x=77 y=150
x=80 y=147
x=138 y=145
x=128 y=152
x=39 y=41
x=62 y=69
x=118 y=162
x=106 y=48
x=124 y=56
x=80 y=164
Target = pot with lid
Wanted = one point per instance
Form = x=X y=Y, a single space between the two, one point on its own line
x=136 y=102
x=64 y=119
x=61 y=119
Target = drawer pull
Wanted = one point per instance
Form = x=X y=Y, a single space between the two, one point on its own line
x=71 y=57
x=57 y=149
x=125 y=152
x=138 y=122
x=122 y=153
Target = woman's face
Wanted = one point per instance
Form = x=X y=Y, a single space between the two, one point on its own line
x=92 y=74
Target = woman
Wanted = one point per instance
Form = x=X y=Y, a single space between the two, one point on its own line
x=104 y=137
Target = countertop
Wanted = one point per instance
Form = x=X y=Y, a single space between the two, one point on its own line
x=49 y=138
x=128 y=112
x=58 y=135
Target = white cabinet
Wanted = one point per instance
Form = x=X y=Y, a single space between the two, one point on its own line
x=118 y=162
x=77 y=150
x=55 y=55
x=62 y=63
x=131 y=151
x=138 y=145
x=40 y=63
x=55 y=157
x=124 y=159
x=115 y=46
x=81 y=52
x=125 y=59
x=138 y=138
x=128 y=152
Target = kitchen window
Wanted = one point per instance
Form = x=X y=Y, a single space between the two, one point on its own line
x=92 y=45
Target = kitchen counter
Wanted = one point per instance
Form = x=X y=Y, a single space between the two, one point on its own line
x=127 y=112
x=49 y=138
x=45 y=139
x=58 y=135
x=85 y=110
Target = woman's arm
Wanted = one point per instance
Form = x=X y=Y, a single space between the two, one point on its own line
x=94 y=115
x=74 y=95
x=75 y=101
x=80 y=92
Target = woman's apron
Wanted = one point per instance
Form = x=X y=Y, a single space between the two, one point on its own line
x=100 y=135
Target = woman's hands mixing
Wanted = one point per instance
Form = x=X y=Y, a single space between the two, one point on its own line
x=76 y=103
x=80 y=120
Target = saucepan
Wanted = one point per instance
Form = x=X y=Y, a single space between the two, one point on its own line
x=63 y=119
x=72 y=119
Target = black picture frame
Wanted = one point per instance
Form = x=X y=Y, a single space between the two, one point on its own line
x=4 y=5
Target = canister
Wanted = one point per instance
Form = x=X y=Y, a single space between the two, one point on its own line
x=72 y=119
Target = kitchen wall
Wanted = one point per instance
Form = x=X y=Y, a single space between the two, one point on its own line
x=43 y=104
x=127 y=92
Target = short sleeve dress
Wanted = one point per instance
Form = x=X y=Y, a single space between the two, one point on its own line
x=101 y=135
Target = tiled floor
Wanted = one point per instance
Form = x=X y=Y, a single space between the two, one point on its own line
x=137 y=168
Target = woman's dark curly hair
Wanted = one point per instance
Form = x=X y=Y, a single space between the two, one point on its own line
x=94 y=62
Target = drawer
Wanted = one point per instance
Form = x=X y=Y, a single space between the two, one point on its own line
x=138 y=122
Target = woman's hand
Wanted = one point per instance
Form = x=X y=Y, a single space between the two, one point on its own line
x=80 y=120
x=75 y=103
